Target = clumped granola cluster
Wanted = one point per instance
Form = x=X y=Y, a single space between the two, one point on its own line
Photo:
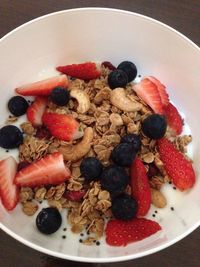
x=103 y=123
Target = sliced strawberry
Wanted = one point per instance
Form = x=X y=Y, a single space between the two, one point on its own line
x=43 y=133
x=74 y=195
x=35 y=111
x=176 y=165
x=48 y=170
x=174 y=119
x=140 y=187
x=8 y=190
x=161 y=89
x=148 y=92
x=121 y=233
x=109 y=65
x=43 y=87
x=64 y=127
x=85 y=71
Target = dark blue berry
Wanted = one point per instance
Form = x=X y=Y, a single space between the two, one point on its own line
x=91 y=168
x=114 y=179
x=132 y=139
x=117 y=78
x=123 y=154
x=154 y=126
x=60 y=96
x=129 y=68
x=17 y=105
x=10 y=137
x=124 y=207
x=48 y=221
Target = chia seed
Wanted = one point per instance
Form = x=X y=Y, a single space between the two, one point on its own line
x=97 y=243
x=153 y=215
x=7 y=150
x=64 y=229
x=80 y=240
x=156 y=211
x=81 y=234
x=172 y=208
x=174 y=188
x=64 y=236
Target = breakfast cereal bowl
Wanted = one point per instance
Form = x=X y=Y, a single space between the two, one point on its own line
x=32 y=52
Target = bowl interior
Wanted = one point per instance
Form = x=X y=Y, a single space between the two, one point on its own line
x=32 y=51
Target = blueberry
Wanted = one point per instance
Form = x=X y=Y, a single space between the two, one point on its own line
x=154 y=126
x=17 y=105
x=123 y=154
x=114 y=179
x=117 y=78
x=10 y=137
x=124 y=207
x=60 y=96
x=129 y=68
x=91 y=168
x=132 y=139
x=48 y=221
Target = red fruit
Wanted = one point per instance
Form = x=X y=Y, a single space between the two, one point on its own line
x=8 y=190
x=108 y=65
x=153 y=170
x=42 y=133
x=148 y=92
x=43 y=87
x=22 y=165
x=174 y=119
x=74 y=195
x=35 y=111
x=84 y=71
x=140 y=187
x=161 y=89
x=121 y=233
x=48 y=170
x=177 y=167
x=64 y=127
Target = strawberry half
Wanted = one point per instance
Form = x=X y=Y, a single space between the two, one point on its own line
x=35 y=111
x=121 y=233
x=48 y=170
x=148 y=92
x=177 y=167
x=174 y=119
x=85 y=71
x=140 y=187
x=43 y=87
x=8 y=190
x=63 y=127
x=161 y=89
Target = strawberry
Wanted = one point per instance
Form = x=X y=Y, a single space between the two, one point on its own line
x=140 y=187
x=43 y=87
x=42 y=133
x=74 y=195
x=109 y=65
x=48 y=170
x=161 y=89
x=35 y=111
x=176 y=165
x=85 y=71
x=174 y=119
x=148 y=92
x=63 y=127
x=121 y=233
x=8 y=190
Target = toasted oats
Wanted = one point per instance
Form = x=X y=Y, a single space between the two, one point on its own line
x=128 y=190
x=27 y=128
x=133 y=128
x=103 y=94
x=148 y=158
x=55 y=204
x=40 y=193
x=181 y=143
x=29 y=208
x=11 y=119
x=88 y=120
x=74 y=185
x=158 y=199
x=60 y=189
x=103 y=205
x=77 y=228
x=156 y=182
x=50 y=193
x=26 y=194
x=89 y=241
x=104 y=195
x=75 y=172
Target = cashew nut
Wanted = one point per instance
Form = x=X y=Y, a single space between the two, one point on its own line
x=120 y=100
x=83 y=100
x=158 y=199
x=78 y=151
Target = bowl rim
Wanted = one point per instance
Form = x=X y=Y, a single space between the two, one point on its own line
x=103 y=259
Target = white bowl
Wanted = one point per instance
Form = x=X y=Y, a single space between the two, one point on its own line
x=31 y=51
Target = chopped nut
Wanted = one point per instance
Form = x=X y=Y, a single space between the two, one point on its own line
x=40 y=194
x=27 y=128
x=158 y=199
x=55 y=204
x=30 y=208
x=26 y=194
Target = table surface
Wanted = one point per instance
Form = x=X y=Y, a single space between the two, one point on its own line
x=183 y=15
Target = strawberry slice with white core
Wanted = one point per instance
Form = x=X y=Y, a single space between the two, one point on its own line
x=8 y=190
x=161 y=89
x=48 y=170
x=35 y=111
x=43 y=87
x=148 y=92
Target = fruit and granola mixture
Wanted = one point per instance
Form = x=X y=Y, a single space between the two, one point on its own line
x=99 y=144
